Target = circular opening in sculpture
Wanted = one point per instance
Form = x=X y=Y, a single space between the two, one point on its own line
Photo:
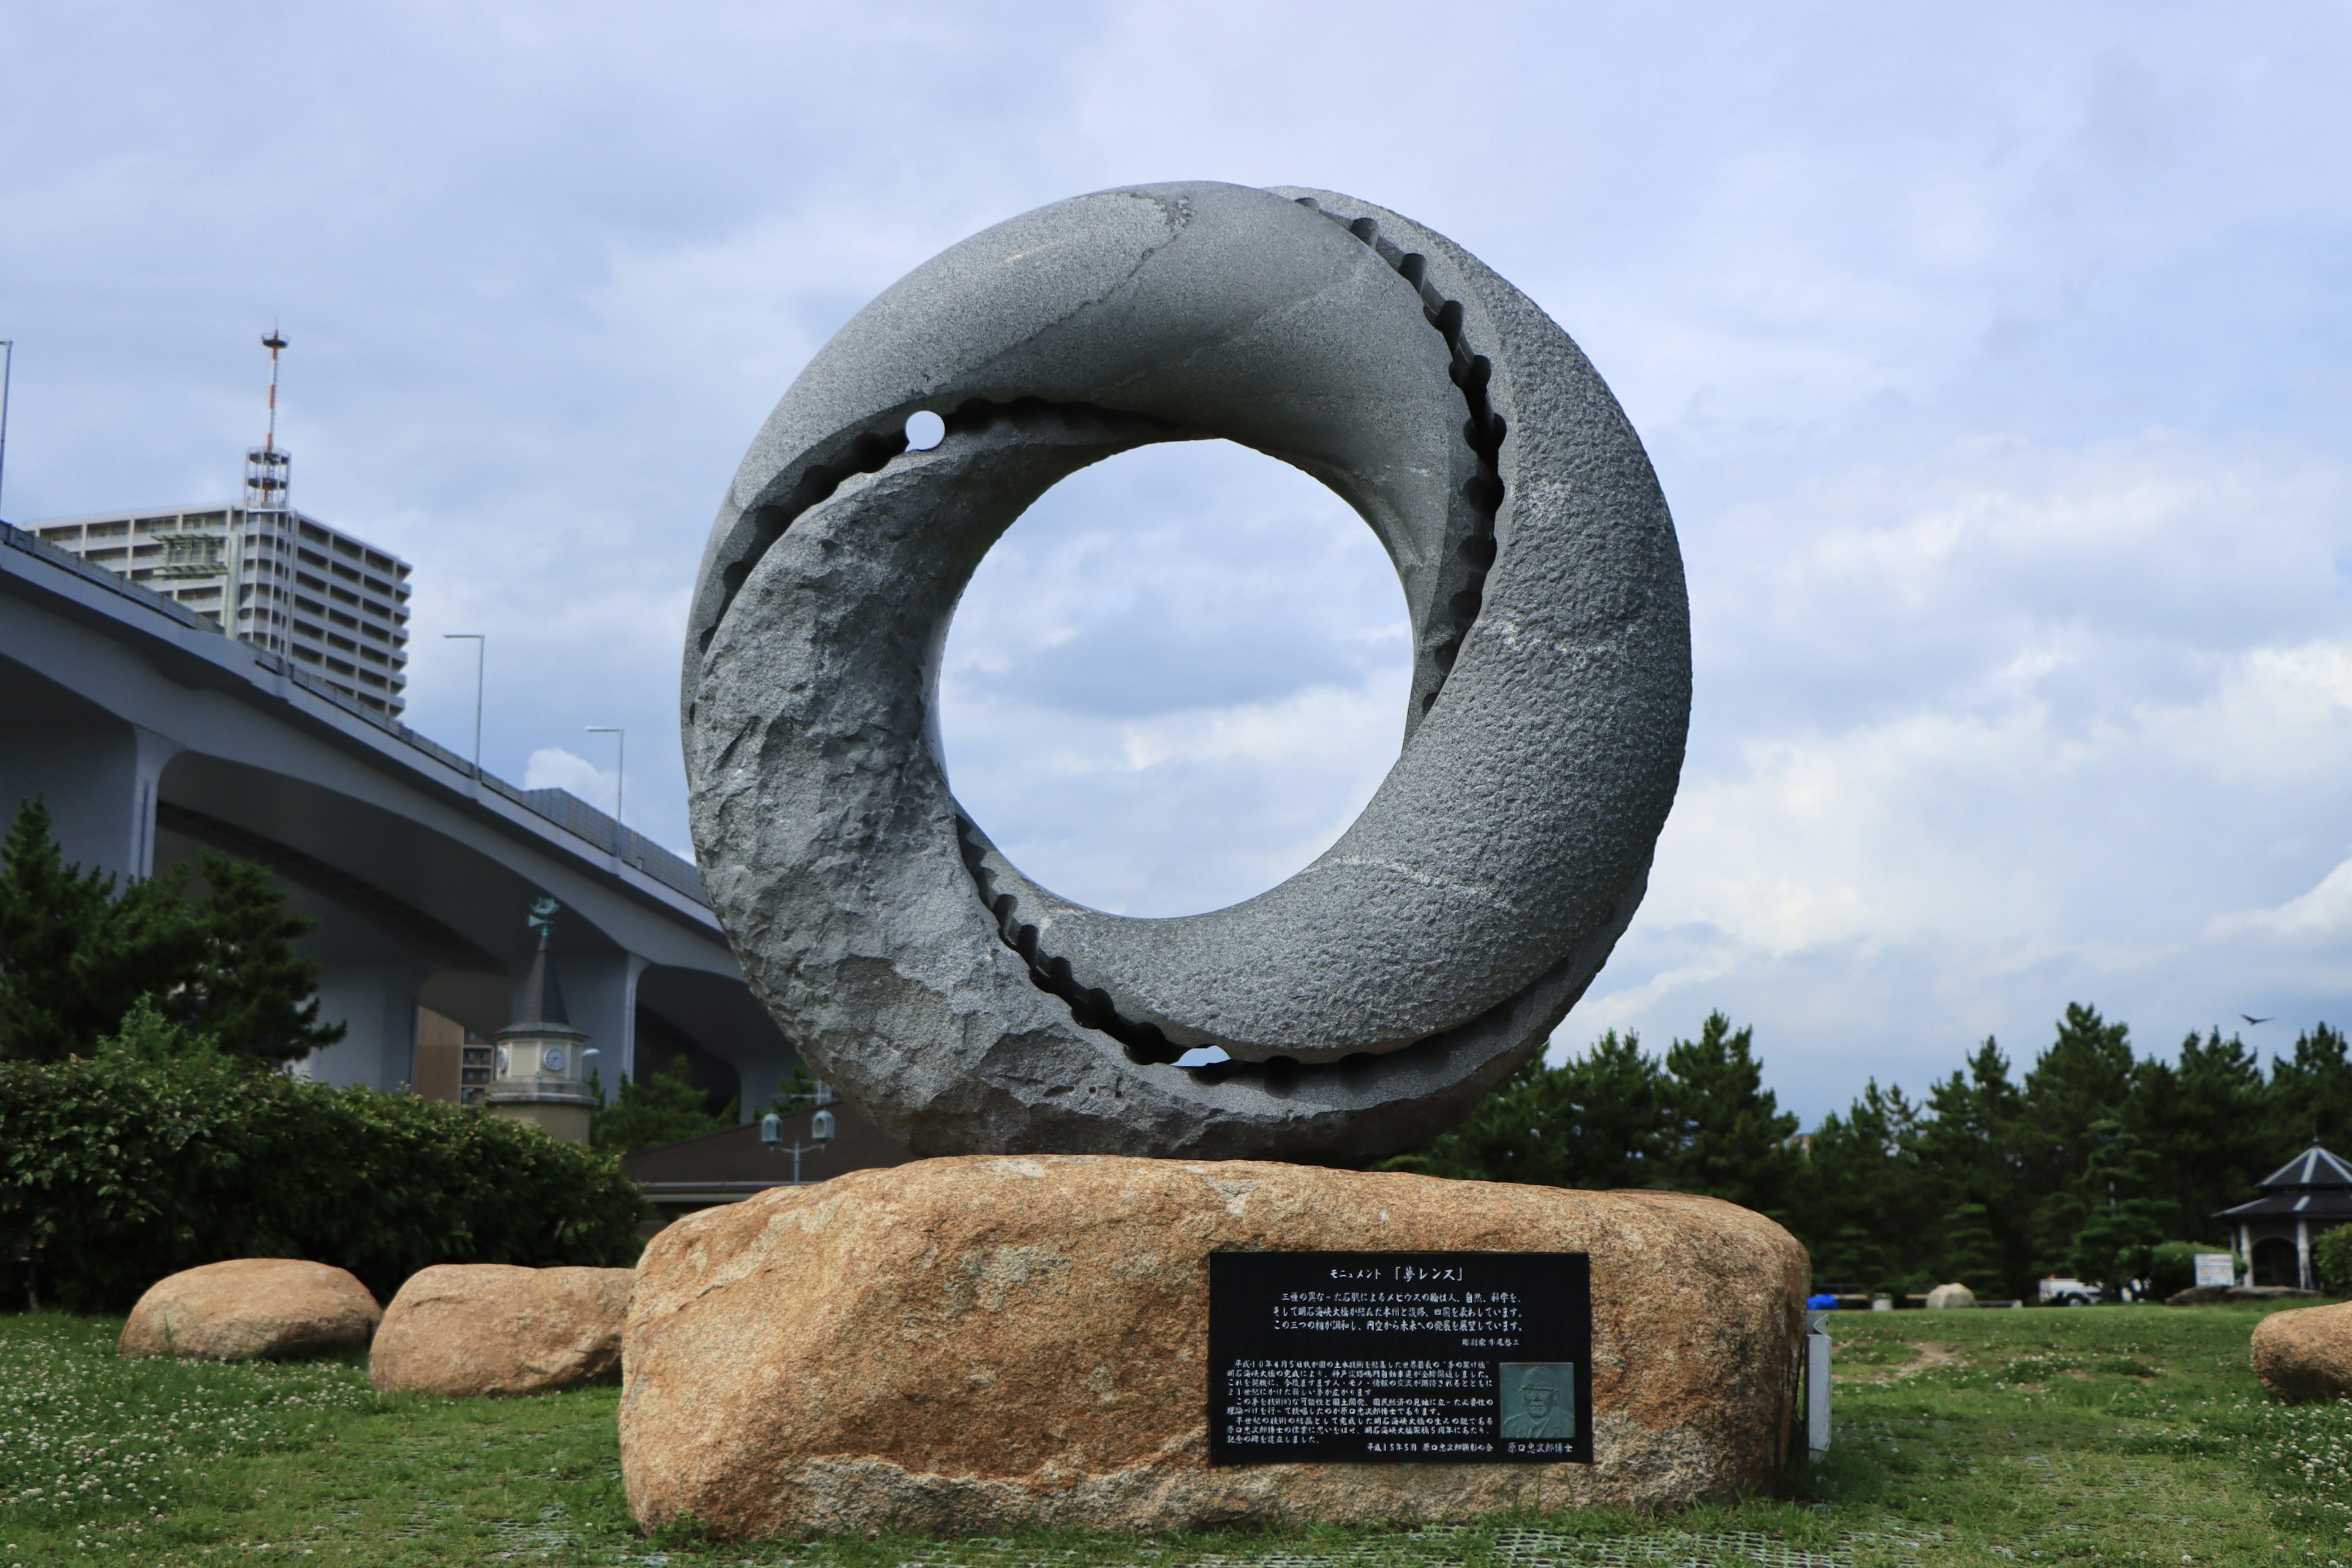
x=925 y=430
x=1176 y=680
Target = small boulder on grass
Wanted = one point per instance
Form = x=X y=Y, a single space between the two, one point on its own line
x=251 y=1308
x=462 y=1329
x=1949 y=1298
x=2305 y=1354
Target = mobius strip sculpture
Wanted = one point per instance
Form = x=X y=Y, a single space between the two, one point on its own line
x=1364 y=1005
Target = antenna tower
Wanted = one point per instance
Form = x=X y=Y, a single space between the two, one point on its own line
x=268 y=474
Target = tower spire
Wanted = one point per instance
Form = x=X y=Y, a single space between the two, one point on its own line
x=257 y=592
x=268 y=467
x=273 y=342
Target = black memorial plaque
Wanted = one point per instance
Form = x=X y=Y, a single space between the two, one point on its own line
x=1408 y=1357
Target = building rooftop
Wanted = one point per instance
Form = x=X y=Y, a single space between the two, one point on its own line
x=2315 y=1169
x=2314 y=1185
x=730 y=1165
x=279 y=579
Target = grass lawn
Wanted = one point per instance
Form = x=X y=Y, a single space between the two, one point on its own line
x=2135 y=1433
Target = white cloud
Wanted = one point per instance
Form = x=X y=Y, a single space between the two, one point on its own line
x=2325 y=911
x=552 y=767
x=2030 y=727
x=1146 y=730
x=1996 y=368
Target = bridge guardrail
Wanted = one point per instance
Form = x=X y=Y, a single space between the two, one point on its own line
x=561 y=807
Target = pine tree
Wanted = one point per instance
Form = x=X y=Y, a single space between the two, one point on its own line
x=1727 y=1136
x=797 y=1091
x=1968 y=1145
x=73 y=956
x=1864 y=1183
x=249 y=989
x=2310 y=1096
x=47 y=912
x=2124 y=1221
x=2082 y=1080
x=1595 y=1121
x=662 y=1108
x=76 y=956
x=1616 y=1122
x=1849 y=1260
x=2207 y=1114
x=1972 y=1253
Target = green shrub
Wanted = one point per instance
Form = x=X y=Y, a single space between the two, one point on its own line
x=119 y=1169
x=2172 y=1265
x=2331 y=1259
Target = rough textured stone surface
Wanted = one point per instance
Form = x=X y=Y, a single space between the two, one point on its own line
x=251 y=1308
x=1367 y=1001
x=1946 y=1298
x=469 y=1329
x=2306 y=1354
x=969 y=1343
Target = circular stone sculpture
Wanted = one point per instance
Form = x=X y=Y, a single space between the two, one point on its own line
x=1366 y=1003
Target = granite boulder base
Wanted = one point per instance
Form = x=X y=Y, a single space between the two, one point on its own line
x=251 y=1308
x=2305 y=1354
x=466 y=1329
x=983 y=1342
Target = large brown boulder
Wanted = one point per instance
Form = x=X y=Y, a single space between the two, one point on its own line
x=982 y=1342
x=469 y=1329
x=251 y=1307
x=2306 y=1353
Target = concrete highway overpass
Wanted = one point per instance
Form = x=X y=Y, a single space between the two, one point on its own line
x=152 y=735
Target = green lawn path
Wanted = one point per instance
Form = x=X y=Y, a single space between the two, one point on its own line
x=2000 y=1437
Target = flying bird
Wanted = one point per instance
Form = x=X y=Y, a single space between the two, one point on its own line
x=2250 y=1018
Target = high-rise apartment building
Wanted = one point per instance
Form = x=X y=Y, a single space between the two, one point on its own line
x=310 y=593
x=262 y=570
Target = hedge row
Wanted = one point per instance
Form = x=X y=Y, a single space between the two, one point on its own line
x=116 y=1170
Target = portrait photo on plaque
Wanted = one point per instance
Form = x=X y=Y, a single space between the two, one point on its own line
x=1399 y=1357
x=1538 y=1398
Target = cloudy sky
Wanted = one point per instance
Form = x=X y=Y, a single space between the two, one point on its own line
x=1997 y=362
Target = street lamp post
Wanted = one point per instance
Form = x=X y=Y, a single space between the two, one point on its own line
x=772 y=1133
x=481 y=645
x=7 y=368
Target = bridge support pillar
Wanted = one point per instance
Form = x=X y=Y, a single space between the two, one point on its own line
x=99 y=783
x=600 y=992
x=375 y=1000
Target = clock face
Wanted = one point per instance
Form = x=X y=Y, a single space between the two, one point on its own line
x=552 y=1057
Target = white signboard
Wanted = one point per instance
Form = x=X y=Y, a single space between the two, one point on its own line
x=2215 y=1268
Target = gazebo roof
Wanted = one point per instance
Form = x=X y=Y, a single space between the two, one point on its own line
x=2314 y=1185
x=2313 y=1170
x=2326 y=1204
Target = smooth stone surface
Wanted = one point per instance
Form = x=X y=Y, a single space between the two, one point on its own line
x=251 y=1308
x=1946 y=1298
x=2306 y=1354
x=1368 y=1002
x=974 y=1343
x=466 y=1329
